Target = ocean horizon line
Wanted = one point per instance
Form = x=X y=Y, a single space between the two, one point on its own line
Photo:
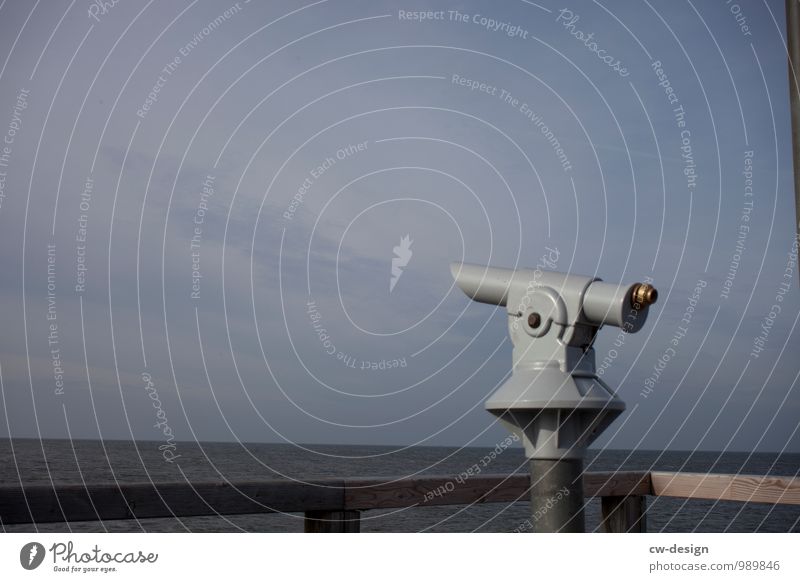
x=384 y=446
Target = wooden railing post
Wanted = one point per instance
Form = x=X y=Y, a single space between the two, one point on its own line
x=348 y=521
x=624 y=514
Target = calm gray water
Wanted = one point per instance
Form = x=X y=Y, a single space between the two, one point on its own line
x=34 y=461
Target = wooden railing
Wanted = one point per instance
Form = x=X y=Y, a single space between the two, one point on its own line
x=334 y=505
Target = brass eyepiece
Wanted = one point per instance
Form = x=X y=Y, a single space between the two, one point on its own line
x=643 y=295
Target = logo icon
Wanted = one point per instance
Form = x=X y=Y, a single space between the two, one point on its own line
x=31 y=555
x=402 y=257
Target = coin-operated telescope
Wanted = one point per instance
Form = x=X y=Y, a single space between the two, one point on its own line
x=554 y=399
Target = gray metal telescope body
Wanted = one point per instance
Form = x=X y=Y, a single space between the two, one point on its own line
x=554 y=399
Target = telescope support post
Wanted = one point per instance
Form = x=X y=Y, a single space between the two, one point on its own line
x=557 y=496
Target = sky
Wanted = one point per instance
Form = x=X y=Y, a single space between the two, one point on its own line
x=234 y=221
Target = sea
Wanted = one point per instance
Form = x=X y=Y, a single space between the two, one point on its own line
x=33 y=461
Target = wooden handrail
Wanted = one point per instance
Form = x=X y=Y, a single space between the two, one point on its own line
x=749 y=488
x=93 y=502
x=75 y=502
